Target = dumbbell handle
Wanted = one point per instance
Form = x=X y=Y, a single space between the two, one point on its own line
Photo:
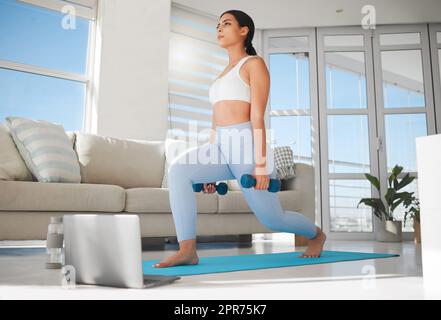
x=248 y=181
x=221 y=187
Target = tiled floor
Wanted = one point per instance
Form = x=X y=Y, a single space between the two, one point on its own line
x=23 y=276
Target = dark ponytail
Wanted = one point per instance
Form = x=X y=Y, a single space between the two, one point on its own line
x=245 y=20
x=249 y=48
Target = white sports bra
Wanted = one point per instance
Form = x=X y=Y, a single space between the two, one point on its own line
x=231 y=86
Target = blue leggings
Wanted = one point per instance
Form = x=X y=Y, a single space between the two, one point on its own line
x=231 y=156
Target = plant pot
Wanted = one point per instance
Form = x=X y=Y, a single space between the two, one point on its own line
x=387 y=230
x=417 y=231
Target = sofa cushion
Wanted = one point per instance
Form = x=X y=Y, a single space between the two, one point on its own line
x=128 y=163
x=46 y=149
x=42 y=196
x=156 y=200
x=12 y=165
x=234 y=201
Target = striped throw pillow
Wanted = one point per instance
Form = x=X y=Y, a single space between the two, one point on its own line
x=46 y=150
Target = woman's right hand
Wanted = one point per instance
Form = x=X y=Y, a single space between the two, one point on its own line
x=209 y=187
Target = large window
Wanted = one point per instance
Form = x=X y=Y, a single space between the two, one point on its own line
x=45 y=67
x=195 y=60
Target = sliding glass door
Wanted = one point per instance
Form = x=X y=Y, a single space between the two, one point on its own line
x=404 y=99
x=375 y=94
x=347 y=128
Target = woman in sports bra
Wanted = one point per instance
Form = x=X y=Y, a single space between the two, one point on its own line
x=237 y=146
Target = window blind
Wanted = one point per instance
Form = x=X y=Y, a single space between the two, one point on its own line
x=195 y=60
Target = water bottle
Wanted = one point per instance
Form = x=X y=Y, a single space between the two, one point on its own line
x=54 y=243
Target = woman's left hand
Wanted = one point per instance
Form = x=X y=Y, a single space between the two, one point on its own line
x=262 y=178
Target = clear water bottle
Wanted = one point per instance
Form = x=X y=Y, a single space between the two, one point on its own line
x=54 y=244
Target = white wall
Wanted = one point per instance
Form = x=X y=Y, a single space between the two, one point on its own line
x=133 y=80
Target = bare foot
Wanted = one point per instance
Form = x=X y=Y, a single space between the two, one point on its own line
x=179 y=258
x=315 y=245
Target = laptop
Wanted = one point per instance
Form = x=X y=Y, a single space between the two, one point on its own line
x=105 y=249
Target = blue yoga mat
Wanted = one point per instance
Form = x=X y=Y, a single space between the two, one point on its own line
x=256 y=261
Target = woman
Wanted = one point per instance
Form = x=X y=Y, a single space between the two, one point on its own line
x=239 y=97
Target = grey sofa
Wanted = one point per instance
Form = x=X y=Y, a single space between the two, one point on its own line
x=125 y=176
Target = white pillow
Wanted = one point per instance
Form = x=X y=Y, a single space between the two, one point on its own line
x=173 y=148
x=46 y=149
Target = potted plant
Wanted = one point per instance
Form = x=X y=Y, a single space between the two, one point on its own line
x=386 y=227
x=413 y=212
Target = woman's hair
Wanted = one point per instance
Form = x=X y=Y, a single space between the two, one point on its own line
x=245 y=20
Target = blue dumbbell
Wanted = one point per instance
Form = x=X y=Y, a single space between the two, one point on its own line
x=221 y=187
x=248 y=181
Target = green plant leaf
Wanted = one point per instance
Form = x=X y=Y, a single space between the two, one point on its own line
x=396 y=204
x=371 y=202
x=373 y=180
x=407 y=201
x=376 y=204
x=389 y=196
x=405 y=181
x=378 y=214
x=405 y=218
x=404 y=195
x=397 y=170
